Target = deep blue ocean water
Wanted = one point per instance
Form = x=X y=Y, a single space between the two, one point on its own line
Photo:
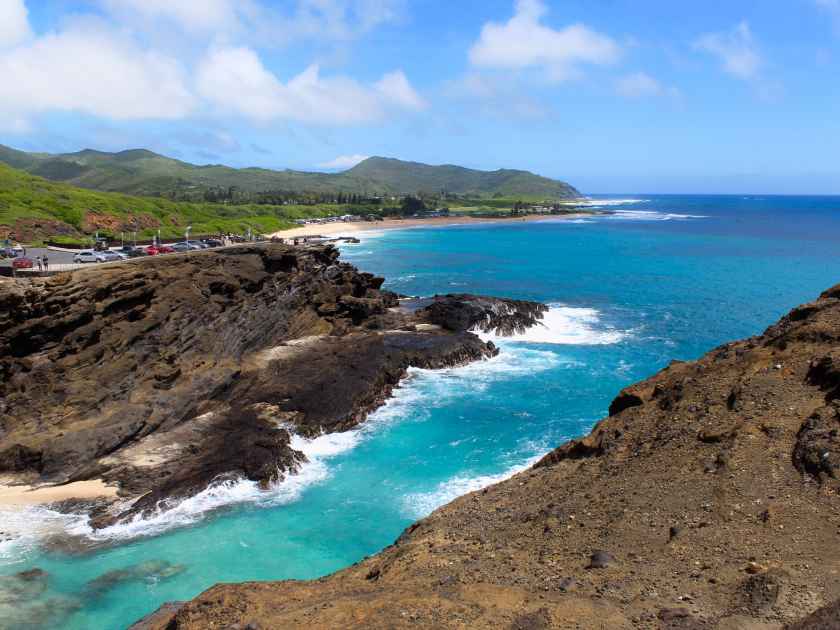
x=666 y=277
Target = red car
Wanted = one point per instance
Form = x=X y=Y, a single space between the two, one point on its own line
x=154 y=250
x=22 y=262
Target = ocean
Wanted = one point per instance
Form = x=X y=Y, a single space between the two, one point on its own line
x=663 y=278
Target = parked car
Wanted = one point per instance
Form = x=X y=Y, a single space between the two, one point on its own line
x=151 y=250
x=22 y=262
x=118 y=253
x=132 y=252
x=212 y=242
x=89 y=256
x=182 y=247
x=196 y=244
x=165 y=249
x=112 y=256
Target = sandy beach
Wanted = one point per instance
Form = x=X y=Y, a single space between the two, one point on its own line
x=21 y=496
x=333 y=229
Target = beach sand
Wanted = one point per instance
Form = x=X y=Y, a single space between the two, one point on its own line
x=22 y=496
x=335 y=229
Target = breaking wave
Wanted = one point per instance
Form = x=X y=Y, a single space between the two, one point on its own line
x=565 y=325
x=421 y=504
x=649 y=215
x=605 y=203
x=421 y=392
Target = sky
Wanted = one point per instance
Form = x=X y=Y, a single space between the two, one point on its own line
x=614 y=96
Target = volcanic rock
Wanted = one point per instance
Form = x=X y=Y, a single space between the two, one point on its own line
x=165 y=375
x=639 y=472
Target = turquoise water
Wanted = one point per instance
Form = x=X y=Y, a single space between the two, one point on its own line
x=629 y=293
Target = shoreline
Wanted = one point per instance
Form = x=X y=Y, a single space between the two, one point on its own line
x=333 y=229
x=22 y=496
x=180 y=462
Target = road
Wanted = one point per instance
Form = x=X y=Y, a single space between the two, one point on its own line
x=56 y=258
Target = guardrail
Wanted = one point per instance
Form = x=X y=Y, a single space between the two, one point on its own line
x=53 y=268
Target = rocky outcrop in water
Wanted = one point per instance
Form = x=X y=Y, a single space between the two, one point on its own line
x=164 y=375
x=707 y=499
x=503 y=317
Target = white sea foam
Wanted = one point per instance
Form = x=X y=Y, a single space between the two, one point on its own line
x=27 y=527
x=362 y=235
x=564 y=325
x=236 y=491
x=650 y=215
x=422 y=391
x=420 y=504
x=608 y=202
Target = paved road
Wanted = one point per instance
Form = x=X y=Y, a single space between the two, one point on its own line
x=63 y=258
x=56 y=258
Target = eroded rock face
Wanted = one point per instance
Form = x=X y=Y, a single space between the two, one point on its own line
x=164 y=375
x=460 y=312
x=705 y=500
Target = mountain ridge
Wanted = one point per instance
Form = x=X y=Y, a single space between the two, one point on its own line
x=143 y=172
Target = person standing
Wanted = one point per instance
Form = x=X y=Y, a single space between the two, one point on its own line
x=39 y=263
x=46 y=263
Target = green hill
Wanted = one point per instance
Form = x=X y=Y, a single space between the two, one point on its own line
x=33 y=208
x=141 y=172
x=414 y=176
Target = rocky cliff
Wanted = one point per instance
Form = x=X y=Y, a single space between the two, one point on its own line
x=707 y=499
x=162 y=376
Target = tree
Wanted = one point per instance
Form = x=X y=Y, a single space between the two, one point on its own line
x=412 y=205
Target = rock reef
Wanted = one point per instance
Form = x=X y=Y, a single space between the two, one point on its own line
x=707 y=499
x=165 y=375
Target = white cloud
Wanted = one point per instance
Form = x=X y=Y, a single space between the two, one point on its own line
x=344 y=162
x=342 y=19
x=14 y=23
x=93 y=69
x=14 y=125
x=736 y=49
x=97 y=67
x=639 y=85
x=261 y=22
x=191 y=15
x=496 y=95
x=395 y=88
x=524 y=42
x=235 y=80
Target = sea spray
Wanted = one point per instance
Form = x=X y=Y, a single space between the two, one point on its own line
x=421 y=391
x=564 y=325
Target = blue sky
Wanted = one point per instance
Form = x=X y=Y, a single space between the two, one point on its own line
x=611 y=95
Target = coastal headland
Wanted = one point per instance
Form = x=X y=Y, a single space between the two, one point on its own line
x=707 y=499
x=129 y=387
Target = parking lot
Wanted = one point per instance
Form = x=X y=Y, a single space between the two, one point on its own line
x=61 y=260
x=56 y=258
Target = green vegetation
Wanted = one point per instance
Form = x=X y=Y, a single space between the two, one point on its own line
x=409 y=177
x=34 y=208
x=168 y=195
x=141 y=172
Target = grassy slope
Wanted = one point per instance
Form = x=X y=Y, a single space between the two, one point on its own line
x=25 y=196
x=142 y=172
x=413 y=176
